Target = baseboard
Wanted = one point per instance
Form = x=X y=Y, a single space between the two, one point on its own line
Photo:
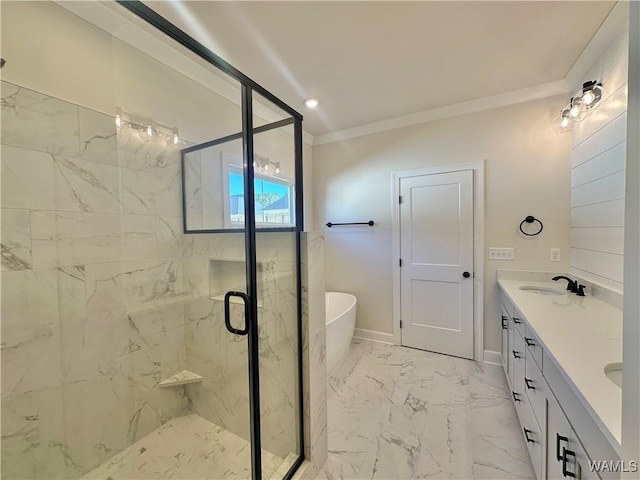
x=373 y=335
x=492 y=357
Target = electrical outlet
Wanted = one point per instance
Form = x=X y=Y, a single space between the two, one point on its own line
x=555 y=254
x=501 y=254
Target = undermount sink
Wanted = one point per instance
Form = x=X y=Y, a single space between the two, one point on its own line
x=613 y=371
x=542 y=290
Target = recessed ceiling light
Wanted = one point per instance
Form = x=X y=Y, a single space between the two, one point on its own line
x=311 y=102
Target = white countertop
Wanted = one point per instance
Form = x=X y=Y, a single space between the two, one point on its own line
x=582 y=335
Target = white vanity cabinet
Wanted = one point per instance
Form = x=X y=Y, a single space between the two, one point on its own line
x=554 y=448
x=565 y=456
x=506 y=327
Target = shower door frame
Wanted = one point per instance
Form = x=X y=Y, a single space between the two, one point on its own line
x=248 y=87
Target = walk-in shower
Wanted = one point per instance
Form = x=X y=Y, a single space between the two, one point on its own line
x=151 y=219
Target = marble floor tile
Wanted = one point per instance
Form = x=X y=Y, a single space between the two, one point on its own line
x=187 y=447
x=399 y=413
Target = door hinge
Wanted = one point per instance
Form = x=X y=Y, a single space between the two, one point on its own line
x=400 y=323
x=400 y=262
x=400 y=199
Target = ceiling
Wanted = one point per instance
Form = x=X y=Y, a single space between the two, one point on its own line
x=372 y=61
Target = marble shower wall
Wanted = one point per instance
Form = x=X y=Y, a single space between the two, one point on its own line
x=221 y=358
x=103 y=297
x=93 y=288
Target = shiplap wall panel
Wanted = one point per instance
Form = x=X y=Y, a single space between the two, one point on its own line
x=598 y=175
x=602 y=239
x=607 y=282
x=612 y=104
x=607 y=214
x=604 y=189
x=610 y=135
x=612 y=160
x=607 y=265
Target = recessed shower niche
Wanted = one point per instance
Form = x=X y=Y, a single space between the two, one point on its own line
x=230 y=275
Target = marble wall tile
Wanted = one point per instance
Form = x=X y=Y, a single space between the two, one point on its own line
x=99 y=422
x=314 y=349
x=152 y=156
x=38 y=122
x=133 y=286
x=149 y=193
x=33 y=435
x=171 y=241
x=30 y=359
x=193 y=190
x=86 y=238
x=85 y=186
x=98 y=137
x=27 y=179
x=44 y=246
x=16 y=239
x=30 y=298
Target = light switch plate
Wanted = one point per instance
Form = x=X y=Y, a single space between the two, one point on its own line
x=555 y=254
x=501 y=253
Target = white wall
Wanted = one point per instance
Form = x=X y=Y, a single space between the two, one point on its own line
x=527 y=172
x=598 y=174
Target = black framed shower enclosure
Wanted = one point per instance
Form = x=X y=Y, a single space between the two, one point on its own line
x=246 y=136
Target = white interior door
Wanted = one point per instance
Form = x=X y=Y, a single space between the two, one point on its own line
x=436 y=251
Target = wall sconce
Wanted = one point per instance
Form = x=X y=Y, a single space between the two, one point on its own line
x=265 y=165
x=148 y=130
x=579 y=105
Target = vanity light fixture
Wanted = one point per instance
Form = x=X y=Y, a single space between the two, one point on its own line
x=311 y=102
x=265 y=166
x=148 y=130
x=579 y=106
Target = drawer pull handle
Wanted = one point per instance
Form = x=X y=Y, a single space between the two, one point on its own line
x=565 y=454
x=530 y=342
x=516 y=320
x=516 y=354
x=560 y=438
x=528 y=383
x=526 y=435
x=515 y=397
x=505 y=325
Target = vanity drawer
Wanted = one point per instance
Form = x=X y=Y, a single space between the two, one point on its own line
x=534 y=348
x=517 y=371
x=535 y=388
x=533 y=438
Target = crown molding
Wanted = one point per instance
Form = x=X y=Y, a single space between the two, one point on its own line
x=537 y=92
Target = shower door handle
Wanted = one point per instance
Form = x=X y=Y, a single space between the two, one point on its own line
x=227 y=313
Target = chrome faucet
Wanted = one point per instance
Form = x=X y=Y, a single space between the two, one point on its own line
x=572 y=285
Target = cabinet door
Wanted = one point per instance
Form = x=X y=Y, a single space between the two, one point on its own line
x=558 y=437
x=582 y=470
x=505 y=324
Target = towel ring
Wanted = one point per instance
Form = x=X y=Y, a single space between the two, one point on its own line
x=531 y=219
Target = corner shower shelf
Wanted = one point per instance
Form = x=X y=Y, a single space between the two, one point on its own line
x=182 y=378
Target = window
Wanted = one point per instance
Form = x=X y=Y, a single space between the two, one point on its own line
x=273 y=199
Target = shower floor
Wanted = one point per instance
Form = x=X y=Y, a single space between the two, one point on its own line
x=185 y=448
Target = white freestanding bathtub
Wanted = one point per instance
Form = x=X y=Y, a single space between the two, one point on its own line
x=341 y=323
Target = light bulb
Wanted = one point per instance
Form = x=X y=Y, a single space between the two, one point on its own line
x=311 y=102
x=266 y=167
x=277 y=168
x=254 y=164
x=574 y=111
x=564 y=123
x=119 y=121
x=175 y=138
x=150 y=131
x=588 y=97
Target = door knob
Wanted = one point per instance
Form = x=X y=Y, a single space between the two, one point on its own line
x=466 y=274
